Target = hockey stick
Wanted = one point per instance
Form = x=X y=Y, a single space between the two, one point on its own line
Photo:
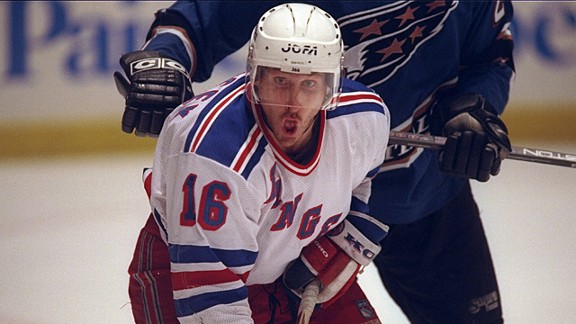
x=518 y=153
x=308 y=302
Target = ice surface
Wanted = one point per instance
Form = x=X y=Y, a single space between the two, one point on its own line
x=68 y=229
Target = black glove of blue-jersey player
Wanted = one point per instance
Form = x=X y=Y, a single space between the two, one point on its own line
x=476 y=138
x=156 y=85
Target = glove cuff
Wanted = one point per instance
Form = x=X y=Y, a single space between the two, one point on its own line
x=139 y=61
x=477 y=107
x=354 y=243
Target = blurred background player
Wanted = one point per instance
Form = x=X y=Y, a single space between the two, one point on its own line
x=442 y=67
x=241 y=187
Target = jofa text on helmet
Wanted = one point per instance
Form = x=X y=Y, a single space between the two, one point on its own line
x=300 y=49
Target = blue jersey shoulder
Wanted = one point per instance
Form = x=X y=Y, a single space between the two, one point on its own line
x=355 y=98
x=224 y=128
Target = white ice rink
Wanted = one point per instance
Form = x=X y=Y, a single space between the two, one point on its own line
x=68 y=228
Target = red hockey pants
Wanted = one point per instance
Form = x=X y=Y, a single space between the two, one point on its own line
x=150 y=291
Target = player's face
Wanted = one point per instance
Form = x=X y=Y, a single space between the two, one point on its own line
x=283 y=89
x=291 y=102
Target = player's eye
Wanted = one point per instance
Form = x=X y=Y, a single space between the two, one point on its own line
x=280 y=81
x=308 y=84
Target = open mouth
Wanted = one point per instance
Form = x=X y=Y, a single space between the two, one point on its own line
x=290 y=126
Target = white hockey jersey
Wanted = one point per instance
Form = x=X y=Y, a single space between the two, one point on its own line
x=235 y=210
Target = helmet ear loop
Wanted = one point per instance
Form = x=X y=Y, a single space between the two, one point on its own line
x=255 y=96
x=251 y=76
x=255 y=89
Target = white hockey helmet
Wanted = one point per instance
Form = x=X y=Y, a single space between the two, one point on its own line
x=297 y=38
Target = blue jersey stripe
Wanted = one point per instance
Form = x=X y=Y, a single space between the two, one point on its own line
x=198 y=254
x=194 y=304
x=344 y=109
x=255 y=158
x=159 y=222
x=358 y=205
x=349 y=103
x=372 y=173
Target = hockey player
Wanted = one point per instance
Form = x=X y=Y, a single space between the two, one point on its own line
x=442 y=67
x=261 y=186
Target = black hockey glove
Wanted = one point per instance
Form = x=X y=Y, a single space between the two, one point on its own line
x=156 y=85
x=477 y=139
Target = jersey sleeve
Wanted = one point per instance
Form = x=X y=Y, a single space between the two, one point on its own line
x=377 y=130
x=209 y=216
x=199 y=34
x=487 y=60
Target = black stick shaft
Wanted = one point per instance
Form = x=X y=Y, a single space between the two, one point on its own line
x=518 y=153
